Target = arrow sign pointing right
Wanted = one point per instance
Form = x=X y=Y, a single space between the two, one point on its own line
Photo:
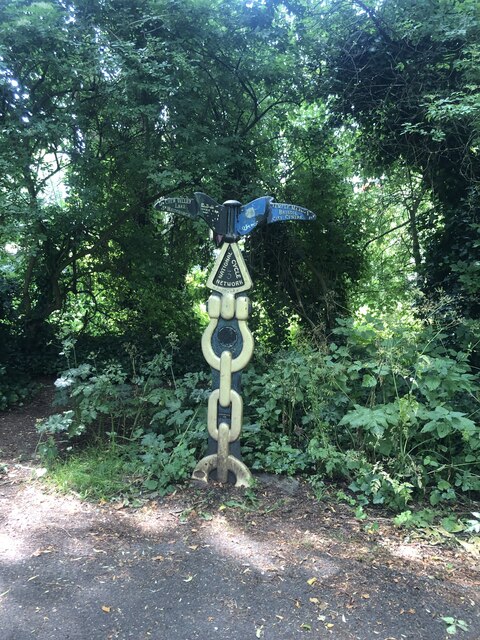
x=279 y=211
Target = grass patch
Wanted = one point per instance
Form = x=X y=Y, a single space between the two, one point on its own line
x=97 y=473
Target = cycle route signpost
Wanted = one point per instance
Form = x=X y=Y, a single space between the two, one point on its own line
x=227 y=343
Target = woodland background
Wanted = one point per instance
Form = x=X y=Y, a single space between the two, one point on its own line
x=366 y=372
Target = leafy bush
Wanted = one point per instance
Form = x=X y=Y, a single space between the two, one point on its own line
x=14 y=390
x=386 y=407
x=166 y=460
x=281 y=457
x=151 y=420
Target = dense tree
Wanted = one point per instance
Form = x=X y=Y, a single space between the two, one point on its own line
x=124 y=103
x=108 y=106
x=310 y=269
x=407 y=74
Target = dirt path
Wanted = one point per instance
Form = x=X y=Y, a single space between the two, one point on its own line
x=191 y=567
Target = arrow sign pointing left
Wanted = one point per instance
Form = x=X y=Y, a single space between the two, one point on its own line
x=184 y=206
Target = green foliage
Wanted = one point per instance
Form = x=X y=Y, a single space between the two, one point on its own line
x=51 y=428
x=473 y=525
x=165 y=460
x=421 y=518
x=108 y=106
x=98 y=472
x=280 y=457
x=105 y=109
x=454 y=625
x=405 y=76
x=121 y=396
x=386 y=407
x=14 y=390
x=141 y=414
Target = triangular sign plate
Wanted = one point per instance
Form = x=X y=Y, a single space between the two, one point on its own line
x=230 y=272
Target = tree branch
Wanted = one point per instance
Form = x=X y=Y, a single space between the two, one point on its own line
x=399 y=226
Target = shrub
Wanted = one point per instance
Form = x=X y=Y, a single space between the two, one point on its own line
x=14 y=390
x=386 y=406
x=153 y=421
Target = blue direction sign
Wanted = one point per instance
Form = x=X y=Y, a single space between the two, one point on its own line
x=265 y=210
x=278 y=212
x=253 y=214
x=232 y=220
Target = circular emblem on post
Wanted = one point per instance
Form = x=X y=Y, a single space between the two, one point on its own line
x=227 y=336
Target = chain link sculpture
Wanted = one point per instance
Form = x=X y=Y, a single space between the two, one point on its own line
x=227 y=343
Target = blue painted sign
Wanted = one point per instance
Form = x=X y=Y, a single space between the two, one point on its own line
x=279 y=212
x=245 y=218
x=252 y=214
x=265 y=210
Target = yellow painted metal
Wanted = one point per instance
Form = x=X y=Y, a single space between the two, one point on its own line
x=204 y=467
x=236 y=466
x=236 y=417
x=243 y=358
x=228 y=306
x=214 y=306
x=222 y=452
x=241 y=471
x=225 y=378
x=242 y=308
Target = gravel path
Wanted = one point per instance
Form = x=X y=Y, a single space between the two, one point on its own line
x=192 y=567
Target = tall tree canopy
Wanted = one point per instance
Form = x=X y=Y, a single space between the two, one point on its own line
x=105 y=107
x=407 y=73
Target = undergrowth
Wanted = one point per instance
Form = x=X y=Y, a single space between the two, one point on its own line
x=97 y=472
x=387 y=409
x=15 y=390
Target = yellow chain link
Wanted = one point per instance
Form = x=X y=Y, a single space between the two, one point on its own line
x=241 y=314
x=236 y=419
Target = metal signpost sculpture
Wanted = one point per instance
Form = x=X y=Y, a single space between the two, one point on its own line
x=227 y=342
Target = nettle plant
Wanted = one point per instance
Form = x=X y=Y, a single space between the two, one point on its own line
x=414 y=405
x=385 y=406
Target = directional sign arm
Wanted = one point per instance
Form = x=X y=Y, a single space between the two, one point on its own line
x=231 y=220
x=279 y=211
x=184 y=206
x=209 y=210
x=252 y=214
